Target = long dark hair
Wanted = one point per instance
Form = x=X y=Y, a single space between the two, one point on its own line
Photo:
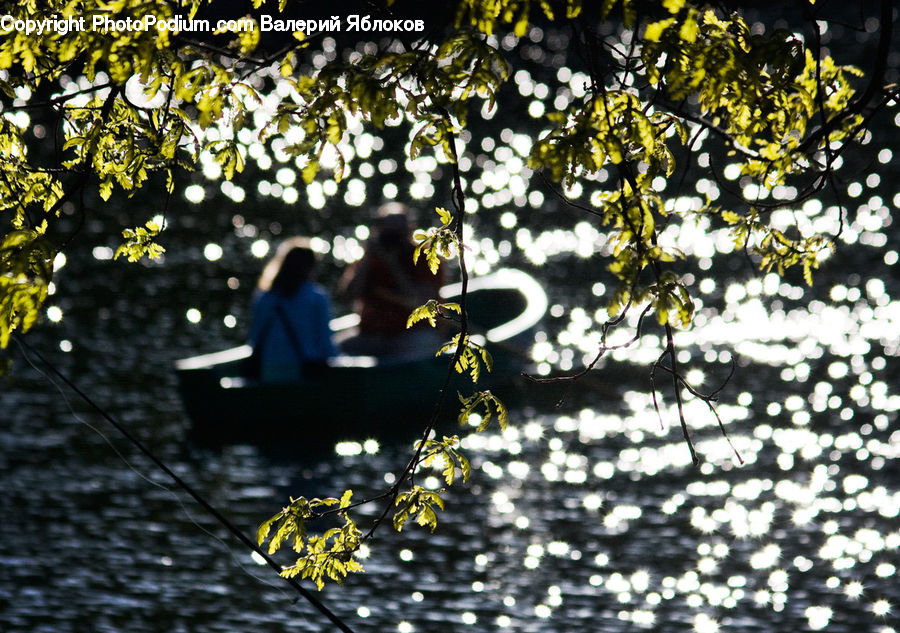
x=292 y=265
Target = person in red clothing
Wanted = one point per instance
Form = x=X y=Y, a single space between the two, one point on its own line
x=385 y=286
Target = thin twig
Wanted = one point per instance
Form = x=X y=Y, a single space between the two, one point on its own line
x=409 y=470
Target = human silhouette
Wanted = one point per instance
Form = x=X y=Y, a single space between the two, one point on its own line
x=291 y=313
x=385 y=286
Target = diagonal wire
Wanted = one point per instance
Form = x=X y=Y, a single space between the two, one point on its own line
x=236 y=532
x=171 y=491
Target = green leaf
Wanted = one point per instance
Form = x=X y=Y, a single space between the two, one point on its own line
x=139 y=243
x=655 y=29
x=674 y=6
x=263 y=532
x=310 y=170
x=428 y=312
x=445 y=216
x=26 y=268
x=488 y=405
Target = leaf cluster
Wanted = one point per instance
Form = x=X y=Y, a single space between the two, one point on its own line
x=437 y=244
x=446 y=454
x=472 y=357
x=26 y=268
x=430 y=311
x=420 y=503
x=121 y=106
x=328 y=556
x=488 y=405
x=491 y=15
x=420 y=86
x=762 y=90
x=139 y=243
x=775 y=249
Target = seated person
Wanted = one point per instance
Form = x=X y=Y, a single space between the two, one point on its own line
x=290 y=323
x=386 y=287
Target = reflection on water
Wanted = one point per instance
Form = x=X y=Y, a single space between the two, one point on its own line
x=590 y=517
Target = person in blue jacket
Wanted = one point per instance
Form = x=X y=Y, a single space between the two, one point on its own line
x=290 y=321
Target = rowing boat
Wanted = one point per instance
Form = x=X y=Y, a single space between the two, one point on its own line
x=360 y=397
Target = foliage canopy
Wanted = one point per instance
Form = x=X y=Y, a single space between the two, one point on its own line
x=94 y=115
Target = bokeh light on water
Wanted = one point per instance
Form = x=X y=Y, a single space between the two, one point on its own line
x=590 y=517
x=595 y=514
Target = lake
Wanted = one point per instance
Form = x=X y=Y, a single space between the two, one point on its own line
x=586 y=517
